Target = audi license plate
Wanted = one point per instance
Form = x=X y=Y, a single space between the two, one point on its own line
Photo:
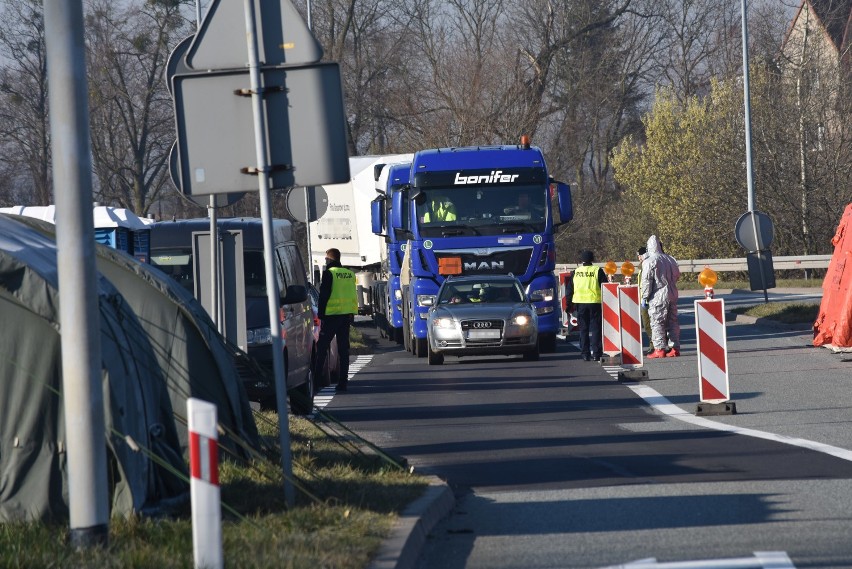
x=485 y=334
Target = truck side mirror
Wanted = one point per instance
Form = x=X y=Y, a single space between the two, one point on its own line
x=377 y=215
x=563 y=198
x=396 y=211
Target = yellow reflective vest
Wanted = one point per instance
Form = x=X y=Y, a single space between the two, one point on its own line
x=587 y=289
x=344 y=296
x=444 y=212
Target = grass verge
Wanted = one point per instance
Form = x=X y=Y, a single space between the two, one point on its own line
x=785 y=312
x=347 y=501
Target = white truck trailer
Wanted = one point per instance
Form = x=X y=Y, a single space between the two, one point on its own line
x=346 y=225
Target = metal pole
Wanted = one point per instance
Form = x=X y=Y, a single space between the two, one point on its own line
x=82 y=392
x=747 y=98
x=308 y=191
x=215 y=294
x=268 y=252
x=749 y=168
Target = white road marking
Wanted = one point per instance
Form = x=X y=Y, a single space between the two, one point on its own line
x=761 y=560
x=666 y=407
x=324 y=396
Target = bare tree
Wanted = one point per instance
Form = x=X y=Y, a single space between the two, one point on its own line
x=131 y=111
x=24 y=125
x=370 y=41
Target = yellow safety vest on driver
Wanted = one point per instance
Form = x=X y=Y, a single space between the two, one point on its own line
x=587 y=290
x=344 y=297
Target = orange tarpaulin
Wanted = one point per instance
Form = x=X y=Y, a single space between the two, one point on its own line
x=833 y=325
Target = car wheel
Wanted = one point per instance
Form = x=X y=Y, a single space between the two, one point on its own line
x=302 y=398
x=532 y=355
x=547 y=343
x=435 y=358
x=322 y=376
x=397 y=335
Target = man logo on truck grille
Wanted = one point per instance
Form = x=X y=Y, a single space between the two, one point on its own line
x=485 y=266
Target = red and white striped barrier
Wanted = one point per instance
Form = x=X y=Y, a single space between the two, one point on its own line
x=204 y=484
x=712 y=351
x=611 y=332
x=631 y=327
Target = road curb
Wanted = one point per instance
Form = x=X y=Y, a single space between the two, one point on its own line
x=401 y=549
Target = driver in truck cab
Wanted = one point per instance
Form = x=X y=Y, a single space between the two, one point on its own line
x=440 y=209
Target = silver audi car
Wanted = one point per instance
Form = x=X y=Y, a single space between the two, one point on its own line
x=482 y=315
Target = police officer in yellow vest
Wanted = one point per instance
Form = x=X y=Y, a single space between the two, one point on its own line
x=584 y=290
x=338 y=304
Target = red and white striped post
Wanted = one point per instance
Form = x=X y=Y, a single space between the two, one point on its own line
x=713 y=380
x=610 y=323
x=204 y=484
x=631 y=327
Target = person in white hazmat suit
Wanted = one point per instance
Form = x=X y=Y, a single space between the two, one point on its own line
x=658 y=292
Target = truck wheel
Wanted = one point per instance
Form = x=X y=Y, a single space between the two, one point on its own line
x=547 y=343
x=422 y=345
x=435 y=358
x=406 y=337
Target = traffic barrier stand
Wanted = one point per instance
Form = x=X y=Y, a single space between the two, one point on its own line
x=632 y=358
x=204 y=484
x=611 y=326
x=569 y=321
x=713 y=381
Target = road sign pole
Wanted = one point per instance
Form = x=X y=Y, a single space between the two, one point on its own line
x=82 y=392
x=268 y=253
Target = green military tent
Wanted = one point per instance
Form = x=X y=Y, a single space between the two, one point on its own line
x=138 y=412
x=194 y=358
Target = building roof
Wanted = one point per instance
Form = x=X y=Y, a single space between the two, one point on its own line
x=835 y=16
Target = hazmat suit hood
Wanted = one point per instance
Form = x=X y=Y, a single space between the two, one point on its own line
x=654 y=246
x=659 y=275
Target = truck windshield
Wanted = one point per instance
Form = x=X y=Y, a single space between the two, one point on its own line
x=488 y=210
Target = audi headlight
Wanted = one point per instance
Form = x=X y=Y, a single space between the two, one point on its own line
x=259 y=336
x=544 y=310
x=397 y=294
x=521 y=319
x=442 y=322
x=545 y=293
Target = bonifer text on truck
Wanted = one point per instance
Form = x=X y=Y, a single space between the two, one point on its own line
x=496 y=218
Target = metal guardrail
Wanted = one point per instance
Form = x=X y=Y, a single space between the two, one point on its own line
x=790 y=262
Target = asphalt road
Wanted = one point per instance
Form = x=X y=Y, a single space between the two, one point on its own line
x=556 y=464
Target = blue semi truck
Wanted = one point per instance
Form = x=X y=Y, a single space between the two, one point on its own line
x=477 y=210
x=391 y=179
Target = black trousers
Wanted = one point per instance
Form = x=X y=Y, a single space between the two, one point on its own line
x=335 y=325
x=589 y=328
